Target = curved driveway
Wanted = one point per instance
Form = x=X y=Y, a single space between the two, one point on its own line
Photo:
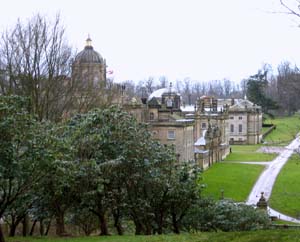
x=267 y=179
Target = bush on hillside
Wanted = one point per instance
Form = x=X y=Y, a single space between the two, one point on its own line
x=225 y=215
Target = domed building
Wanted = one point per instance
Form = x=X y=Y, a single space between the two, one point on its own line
x=167 y=124
x=89 y=66
x=166 y=97
x=201 y=137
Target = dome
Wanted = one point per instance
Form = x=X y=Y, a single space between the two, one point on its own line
x=160 y=92
x=88 y=55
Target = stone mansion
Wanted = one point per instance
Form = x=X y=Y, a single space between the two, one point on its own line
x=200 y=133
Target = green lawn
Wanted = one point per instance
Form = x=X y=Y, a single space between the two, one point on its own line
x=245 y=148
x=250 y=157
x=248 y=153
x=282 y=222
x=286 y=129
x=235 y=179
x=265 y=129
x=279 y=235
x=285 y=196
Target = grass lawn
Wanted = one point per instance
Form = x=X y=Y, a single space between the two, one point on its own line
x=248 y=153
x=285 y=196
x=251 y=236
x=282 y=222
x=235 y=179
x=286 y=129
x=265 y=129
x=245 y=148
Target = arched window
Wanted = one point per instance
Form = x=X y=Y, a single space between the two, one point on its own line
x=151 y=116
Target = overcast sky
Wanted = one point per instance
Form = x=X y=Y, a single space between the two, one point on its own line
x=200 y=39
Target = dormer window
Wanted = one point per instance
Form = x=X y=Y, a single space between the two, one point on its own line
x=169 y=103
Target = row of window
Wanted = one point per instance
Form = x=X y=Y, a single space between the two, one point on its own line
x=239 y=139
x=231 y=127
x=171 y=133
x=240 y=128
x=203 y=124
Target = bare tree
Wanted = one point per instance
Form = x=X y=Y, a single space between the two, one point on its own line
x=35 y=61
x=149 y=84
x=130 y=88
x=288 y=86
x=163 y=81
x=187 y=92
x=291 y=7
x=227 y=88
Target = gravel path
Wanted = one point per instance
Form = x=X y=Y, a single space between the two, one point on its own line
x=281 y=216
x=267 y=179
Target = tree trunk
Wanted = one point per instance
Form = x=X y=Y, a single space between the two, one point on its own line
x=48 y=227
x=1 y=235
x=103 y=225
x=32 y=227
x=148 y=229
x=41 y=227
x=138 y=228
x=117 y=223
x=12 y=229
x=25 y=225
x=175 y=224
x=60 y=224
x=160 y=223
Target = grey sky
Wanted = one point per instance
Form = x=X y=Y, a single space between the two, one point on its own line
x=200 y=39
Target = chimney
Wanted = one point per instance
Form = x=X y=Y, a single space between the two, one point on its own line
x=144 y=100
x=232 y=101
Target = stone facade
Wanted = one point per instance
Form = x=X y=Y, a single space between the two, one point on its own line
x=167 y=124
x=176 y=133
x=211 y=132
x=245 y=121
x=161 y=110
x=198 y=133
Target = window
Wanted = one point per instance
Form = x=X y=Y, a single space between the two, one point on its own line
x=203 y=125
x=169 y=103
x=231 y=128
x=171 y=134
x=231 y=117
x=240 y=118
x=151 y=116
x=240 y=128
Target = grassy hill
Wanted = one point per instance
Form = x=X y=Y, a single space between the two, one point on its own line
x=235 y=179
x=285 y=196
x=248 y=153
x=251 y=236
x=286 y=129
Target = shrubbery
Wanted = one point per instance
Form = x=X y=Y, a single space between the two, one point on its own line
x=225 y=215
